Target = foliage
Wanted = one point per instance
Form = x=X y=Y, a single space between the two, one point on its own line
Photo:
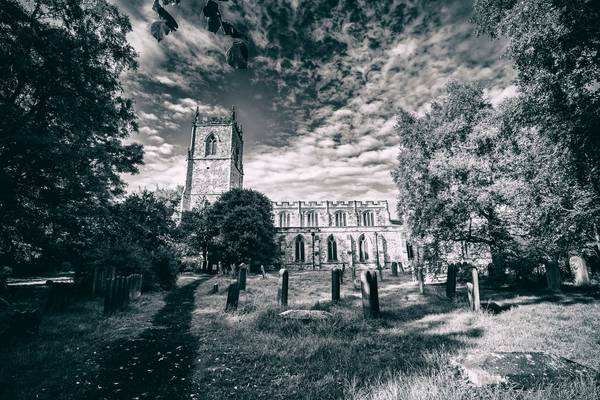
x=470 y=174
x=198 y=233
x=554 y=46
x=236 y=228
x=62 y=127
x=139 y=238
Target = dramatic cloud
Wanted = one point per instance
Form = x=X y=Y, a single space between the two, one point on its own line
x=318 y=103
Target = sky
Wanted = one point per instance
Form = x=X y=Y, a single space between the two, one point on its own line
x=318 y=102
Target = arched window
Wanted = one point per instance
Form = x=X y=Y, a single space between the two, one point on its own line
x=211 y=145
x=331 y=249
x=311 y=219
x=284 y=220
x=363 y=249
x=368 y=219
x=340 y=218
x=299 y=249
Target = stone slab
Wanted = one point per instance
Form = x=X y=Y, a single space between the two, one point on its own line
x=518 y=369
x=306 y=315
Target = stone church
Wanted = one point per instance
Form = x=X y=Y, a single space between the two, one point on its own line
x=310 y=234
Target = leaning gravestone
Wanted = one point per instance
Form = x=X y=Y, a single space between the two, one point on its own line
x=370 y=294
x=518 y=369
x=580 y=271
x=242 y=277
x=233 y=297
x=282 y=291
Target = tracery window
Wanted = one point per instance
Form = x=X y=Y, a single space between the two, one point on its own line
x=368 y=219
x=363 y=249
x=284 y=220
x=311 y=219
x=331 y=249
x=299 y=249
x=211 y=145
x=340 y=218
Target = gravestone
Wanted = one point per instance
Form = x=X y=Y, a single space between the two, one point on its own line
x=282 y=291
x=421 y=278
x=451 y=281
x=215 y=289
x=262 y=271
x=580 y=271
x=475 y=286
x=370 y=295
x=518 y=369
x=242 y=277
x=233 y=297
x=553 y=276
x=394 y=269
x=335 y=285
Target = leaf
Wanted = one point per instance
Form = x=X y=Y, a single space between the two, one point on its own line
x=237 y=55
x=165 y=16
x=159 y=30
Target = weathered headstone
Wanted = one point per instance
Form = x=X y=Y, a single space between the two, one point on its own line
x=553 y=276
x=475 y=283
x=421 y=278
x=400 y=267
x=580 y=271
x=451 y=281
x=233 y=297
x=343 y=271
x=370 y=295
x=215 y=289
x=262 y=271
x=282 y=291
x=335 y=285
x=394 y=268
x=242 y=277
x=470 y=294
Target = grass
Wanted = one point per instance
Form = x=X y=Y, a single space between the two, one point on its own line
x=61 y=358
x=254 y=354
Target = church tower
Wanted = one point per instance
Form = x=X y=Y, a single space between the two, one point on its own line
x=214 y=160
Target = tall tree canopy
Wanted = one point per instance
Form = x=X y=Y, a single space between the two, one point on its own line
x=238 y=228
x=468 y=173
x=63 y=120
x=554 y=45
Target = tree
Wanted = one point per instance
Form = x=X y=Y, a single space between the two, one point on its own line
x=197 y=231
x=139 y=238
x=554 y=46
x=469 y=174
x=244 y=220
x=63 y=124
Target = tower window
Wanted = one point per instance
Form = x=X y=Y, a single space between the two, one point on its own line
x=368 y=219
x=331 y=249
x=363 y=249
x=211 y=145
x=311 y=219
x=340 y=218
x=299 y=249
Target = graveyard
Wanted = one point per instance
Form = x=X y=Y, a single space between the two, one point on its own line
x=184 y=344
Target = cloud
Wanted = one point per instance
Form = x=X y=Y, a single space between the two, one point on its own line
x=318 y=103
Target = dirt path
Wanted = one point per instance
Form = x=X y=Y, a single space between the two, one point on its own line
x=158 y=363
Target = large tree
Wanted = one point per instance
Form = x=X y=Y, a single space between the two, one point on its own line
x=554 y=45
x=471 y=174
x=63 y=122
x=244 y=220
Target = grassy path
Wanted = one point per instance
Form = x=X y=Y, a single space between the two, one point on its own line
x=158 y=363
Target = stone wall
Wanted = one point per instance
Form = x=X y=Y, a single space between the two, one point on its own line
x=390 y=240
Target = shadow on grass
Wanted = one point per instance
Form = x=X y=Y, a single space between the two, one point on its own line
x=158 y=363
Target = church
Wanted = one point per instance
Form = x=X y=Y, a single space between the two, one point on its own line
x=310 y=234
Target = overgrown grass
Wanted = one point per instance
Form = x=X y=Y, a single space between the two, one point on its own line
x=55 y=363
x=254 y=354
